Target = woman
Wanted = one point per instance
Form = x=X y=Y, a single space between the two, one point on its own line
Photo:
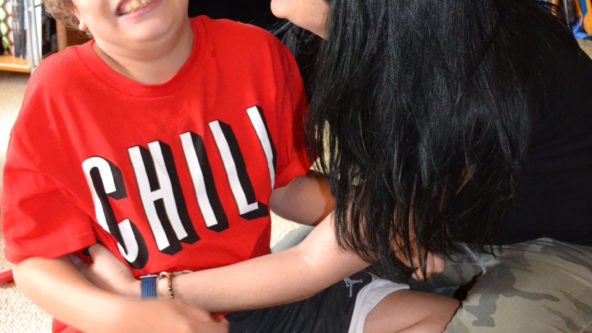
x=470 y=121
x=249 y=11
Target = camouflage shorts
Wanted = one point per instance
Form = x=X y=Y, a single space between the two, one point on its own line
x=536 y=286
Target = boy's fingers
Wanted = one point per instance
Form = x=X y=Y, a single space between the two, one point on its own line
x=96 y=249
x=196 y=313
x=218 y=325
x=211 y=327
x=205 y=322
x=81 y=265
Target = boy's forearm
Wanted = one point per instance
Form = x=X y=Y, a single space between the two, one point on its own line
x=57 y=286
x=278 y=278
x=306 y=199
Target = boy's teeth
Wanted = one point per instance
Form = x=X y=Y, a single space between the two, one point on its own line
x=133 y=5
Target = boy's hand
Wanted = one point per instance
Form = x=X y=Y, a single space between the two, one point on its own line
x=108 y=273
x=167 y=316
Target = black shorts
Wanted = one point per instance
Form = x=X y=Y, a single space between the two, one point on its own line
x=340 y=308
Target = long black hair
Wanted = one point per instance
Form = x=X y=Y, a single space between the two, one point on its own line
x=420 y=115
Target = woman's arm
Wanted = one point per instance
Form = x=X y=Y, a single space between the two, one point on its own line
x=59 y=288
x=283 y=277
x=294 y=274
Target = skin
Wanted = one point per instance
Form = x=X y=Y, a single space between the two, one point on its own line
x=148 y=46
x=311 y=15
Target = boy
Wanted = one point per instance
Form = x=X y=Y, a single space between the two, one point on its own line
x=166 y=139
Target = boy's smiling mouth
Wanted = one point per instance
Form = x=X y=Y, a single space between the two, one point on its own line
x=127 y=7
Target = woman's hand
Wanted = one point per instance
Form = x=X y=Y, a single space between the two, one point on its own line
x=108 y=273
x=434 y=263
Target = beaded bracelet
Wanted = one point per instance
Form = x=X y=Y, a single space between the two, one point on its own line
x=169 y=277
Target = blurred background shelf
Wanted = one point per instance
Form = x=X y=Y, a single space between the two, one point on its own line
x=32 y=12
x=13 y=64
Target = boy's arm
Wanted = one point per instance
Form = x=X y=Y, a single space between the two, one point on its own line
x=59 y=288
x=306 y=199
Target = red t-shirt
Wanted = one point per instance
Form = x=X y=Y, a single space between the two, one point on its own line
x=170 y=176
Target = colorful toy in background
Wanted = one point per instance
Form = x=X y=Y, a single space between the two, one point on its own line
x=582 y=27
x=5 y=26
x=12 y=27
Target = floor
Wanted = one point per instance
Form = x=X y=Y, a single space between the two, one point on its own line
x=12 y=89
x=586 y=45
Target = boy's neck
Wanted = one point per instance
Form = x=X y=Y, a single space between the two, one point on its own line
x=155 y=61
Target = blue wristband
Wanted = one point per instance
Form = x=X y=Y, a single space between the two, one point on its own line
x=148 y=286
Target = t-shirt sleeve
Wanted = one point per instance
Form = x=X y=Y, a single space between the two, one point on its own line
x=291 y=108
x=39 y=216
x=38 y=219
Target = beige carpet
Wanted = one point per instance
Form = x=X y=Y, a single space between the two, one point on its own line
x=17 y=313
x=586 y=45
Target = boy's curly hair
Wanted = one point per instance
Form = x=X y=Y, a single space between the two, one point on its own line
x=62 y=10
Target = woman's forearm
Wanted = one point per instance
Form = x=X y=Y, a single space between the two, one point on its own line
x=278 y=278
